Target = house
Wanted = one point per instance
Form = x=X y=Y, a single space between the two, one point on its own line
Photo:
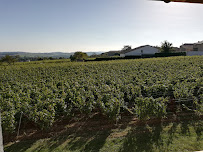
x=192 y=49
x=139 y=51
x=197 y=49
x=198 y=46
x=186 y=47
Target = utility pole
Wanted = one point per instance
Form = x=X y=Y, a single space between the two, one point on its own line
x=1 y=137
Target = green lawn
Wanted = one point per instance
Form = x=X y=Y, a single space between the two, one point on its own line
x=181 y=135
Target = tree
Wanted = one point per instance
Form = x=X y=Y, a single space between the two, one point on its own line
x=78 y=56
x=93 y=55
x=9 y=59
x=126 y=48
x=166 y=47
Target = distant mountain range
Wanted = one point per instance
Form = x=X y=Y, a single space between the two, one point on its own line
x=51 y=54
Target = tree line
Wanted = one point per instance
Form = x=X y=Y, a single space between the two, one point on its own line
x=9 y=59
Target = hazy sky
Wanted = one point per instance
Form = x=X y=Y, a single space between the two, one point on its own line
x=95 y=25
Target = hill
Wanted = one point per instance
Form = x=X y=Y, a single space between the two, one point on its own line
x=51 y=54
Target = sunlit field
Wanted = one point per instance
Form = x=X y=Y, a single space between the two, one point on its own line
x=42 y=93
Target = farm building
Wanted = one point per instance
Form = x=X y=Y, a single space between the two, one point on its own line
x=139 y=51
x=186 y=47
x=193 y=48
x=198 y=46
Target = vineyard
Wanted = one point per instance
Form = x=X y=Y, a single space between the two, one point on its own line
x=44 y=92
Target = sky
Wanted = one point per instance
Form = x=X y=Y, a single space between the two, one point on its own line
x=96 y=25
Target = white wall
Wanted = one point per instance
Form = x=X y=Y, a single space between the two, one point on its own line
x=122 y=55
x=142 y=51
x=191 y=53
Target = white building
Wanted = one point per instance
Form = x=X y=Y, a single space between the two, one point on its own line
x=139 y=51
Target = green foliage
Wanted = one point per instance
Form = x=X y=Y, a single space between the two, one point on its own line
x=78 y=56
x=126 y=48
x=166 y=47
x=43 y=91
x=9 y=59
x=145 y=108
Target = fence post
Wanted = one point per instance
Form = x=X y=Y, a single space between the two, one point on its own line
x=19 y=124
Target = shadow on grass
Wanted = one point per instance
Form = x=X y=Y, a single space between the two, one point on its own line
x=20 y=147
x=142 y=138
x=87 y=142
x=160 y=135
x=92 y=135
x=82 y=139
x=88 y=137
